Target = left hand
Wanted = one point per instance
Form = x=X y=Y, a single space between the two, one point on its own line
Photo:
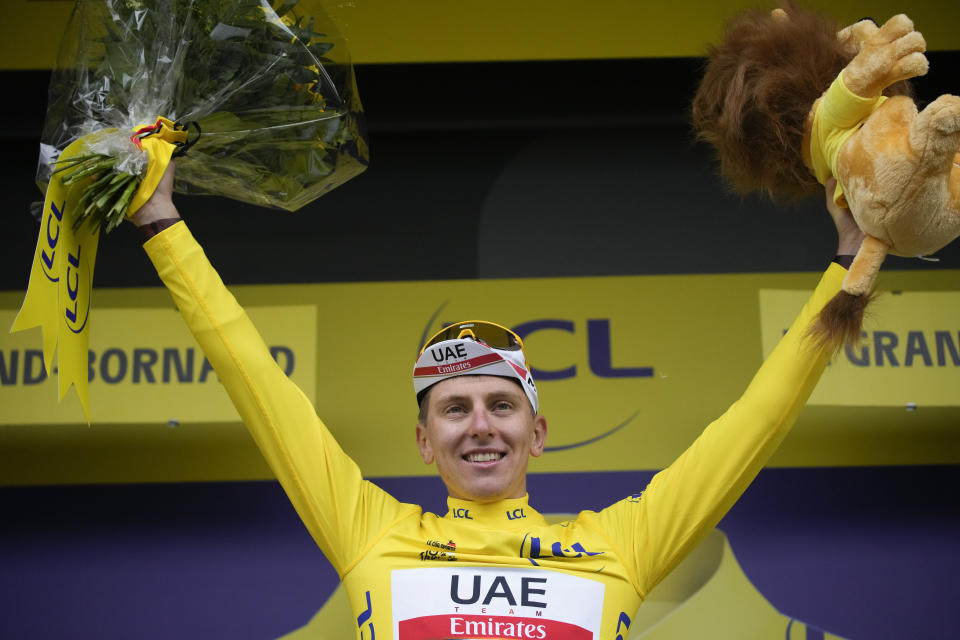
x=849 y=235
x=160 y=204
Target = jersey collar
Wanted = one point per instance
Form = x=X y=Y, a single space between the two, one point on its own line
x=512 y=513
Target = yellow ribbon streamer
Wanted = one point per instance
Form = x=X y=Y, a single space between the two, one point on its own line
x=59 y=292
x=160 y=147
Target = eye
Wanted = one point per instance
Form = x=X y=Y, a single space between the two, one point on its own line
x=503 y=405
x=454 y=409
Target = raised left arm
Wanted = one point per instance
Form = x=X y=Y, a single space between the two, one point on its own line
x=686 y=500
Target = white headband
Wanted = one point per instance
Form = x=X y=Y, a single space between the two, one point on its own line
x=464 y=356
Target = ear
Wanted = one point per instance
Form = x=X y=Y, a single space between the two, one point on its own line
x=539 y=435
x=423 y=443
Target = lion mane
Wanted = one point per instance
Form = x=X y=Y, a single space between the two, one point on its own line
x=758 y=87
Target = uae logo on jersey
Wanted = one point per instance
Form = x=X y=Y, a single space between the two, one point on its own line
x=485 y=603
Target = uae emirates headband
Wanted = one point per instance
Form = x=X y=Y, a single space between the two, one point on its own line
x=473 y=348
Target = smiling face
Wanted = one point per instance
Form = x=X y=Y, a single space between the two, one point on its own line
x=481 y=432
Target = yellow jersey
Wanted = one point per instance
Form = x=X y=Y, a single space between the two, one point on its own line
x=487 y=570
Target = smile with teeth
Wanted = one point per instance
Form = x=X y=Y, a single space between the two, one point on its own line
x=488 y=456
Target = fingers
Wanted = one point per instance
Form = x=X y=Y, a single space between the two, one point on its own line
x=836 y=211
x=160 y=204
x=165 y=187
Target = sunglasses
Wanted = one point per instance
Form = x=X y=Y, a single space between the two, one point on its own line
x=489 y=333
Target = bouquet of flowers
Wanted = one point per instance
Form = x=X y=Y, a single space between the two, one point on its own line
x=256 y=96
x=266 y=91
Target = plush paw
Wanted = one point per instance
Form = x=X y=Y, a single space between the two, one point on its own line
x=886 y=55
x=944 y=114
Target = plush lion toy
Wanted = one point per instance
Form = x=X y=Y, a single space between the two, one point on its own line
x=788 y=102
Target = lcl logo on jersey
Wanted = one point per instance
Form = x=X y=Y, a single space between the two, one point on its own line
x=534 y=548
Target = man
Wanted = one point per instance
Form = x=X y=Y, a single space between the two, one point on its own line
x=479 y=418
x=491 y=567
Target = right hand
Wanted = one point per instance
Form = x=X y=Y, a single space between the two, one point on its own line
x=160 y=205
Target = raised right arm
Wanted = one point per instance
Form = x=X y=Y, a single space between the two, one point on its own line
x=341 y=510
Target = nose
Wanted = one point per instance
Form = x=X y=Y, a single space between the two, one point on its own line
x=480 y=424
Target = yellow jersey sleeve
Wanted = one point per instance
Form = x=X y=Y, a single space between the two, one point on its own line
x=343 y=512
x=840 y=114
x=654 y=530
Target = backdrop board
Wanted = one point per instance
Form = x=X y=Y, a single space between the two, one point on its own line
x=617 y=360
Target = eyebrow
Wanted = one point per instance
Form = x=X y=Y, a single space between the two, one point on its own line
x=495 y=395
x=445 y=399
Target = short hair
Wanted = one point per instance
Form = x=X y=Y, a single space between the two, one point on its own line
x=423 y=400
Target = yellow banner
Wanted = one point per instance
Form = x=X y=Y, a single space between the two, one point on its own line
x=386 y=31
x=909 y=356
x=143 y=366
x=629 y=369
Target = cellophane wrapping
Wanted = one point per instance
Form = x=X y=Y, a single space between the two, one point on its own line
x=268 y=84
